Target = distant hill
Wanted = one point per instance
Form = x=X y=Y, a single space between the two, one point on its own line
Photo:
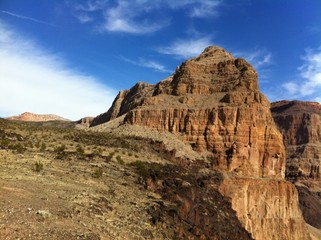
x=32 y=117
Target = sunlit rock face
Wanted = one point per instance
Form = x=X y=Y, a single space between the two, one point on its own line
x=214 y=102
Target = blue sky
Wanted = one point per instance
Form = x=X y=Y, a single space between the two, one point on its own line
x=72 y=57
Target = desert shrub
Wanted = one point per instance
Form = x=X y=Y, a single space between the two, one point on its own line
x=60 y=148
x=145 y=169
x=120 y=160
x=97 y=173
x=43 y=147
x=111 y=155
x=80 y=150
x=98 y=151
x=4 y=143
x=130 y=154
x=38 y=167
x=18 y=148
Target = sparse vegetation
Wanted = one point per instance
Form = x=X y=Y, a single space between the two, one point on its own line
x=145 y=169
x=80 y=150
x=120 y=160
x=37 y=167
x=97 y=173
x=60 y=148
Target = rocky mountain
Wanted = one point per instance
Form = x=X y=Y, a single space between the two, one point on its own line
x=213 y=102
x=300 y=124
x=32 y=117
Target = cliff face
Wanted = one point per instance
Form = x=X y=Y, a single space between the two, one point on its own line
x=267 y=209
x=214 y=101
x=300 y=123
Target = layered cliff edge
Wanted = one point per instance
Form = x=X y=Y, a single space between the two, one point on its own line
x=213 y=101
x=300 y=124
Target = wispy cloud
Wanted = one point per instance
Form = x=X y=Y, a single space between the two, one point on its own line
x=197 y=8
x=309 y=82
x=27 y=18
x=258 y=58
x=83 y=17
x=91 y=5
x=123 y=18
x=186 y=48
x=35 y=80
x=141 y=16
x=148 y=64
x=205 y=9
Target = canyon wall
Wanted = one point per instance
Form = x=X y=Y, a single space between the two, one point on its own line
x=300 y=124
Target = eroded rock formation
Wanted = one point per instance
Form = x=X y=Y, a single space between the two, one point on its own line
x=214 y=102
x=300 y=123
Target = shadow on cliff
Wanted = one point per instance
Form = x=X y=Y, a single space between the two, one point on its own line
x=190 y=203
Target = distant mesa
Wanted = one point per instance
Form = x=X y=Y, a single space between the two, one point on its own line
x=32 y=117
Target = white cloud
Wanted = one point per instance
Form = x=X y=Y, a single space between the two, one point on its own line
x=197 y=8
x=291 y=87
x=35 y=80
x=142 y=16
x=122 y=18
x=148 y=64
x=205 y=9
x=186 y=48
x=309 y=82
x=258 y=58
x=83 y=17
x=91 y=5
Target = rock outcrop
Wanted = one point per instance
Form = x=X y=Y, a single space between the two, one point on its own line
x=300 y=124
x=214 y=102
x=32 y=117
x=85 y=121
x=268 y=209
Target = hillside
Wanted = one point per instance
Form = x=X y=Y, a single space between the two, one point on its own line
x=64 y=183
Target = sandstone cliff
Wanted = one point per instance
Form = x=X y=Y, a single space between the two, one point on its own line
x=300 y=123
x=214 y=102
x=32 y=117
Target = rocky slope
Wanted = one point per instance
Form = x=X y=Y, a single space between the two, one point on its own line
x=32 y=117
x=213 y=101
x=300 y=124
x=65 y=183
